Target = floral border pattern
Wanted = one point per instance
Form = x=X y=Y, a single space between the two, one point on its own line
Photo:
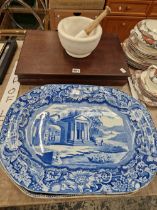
x=33 y=176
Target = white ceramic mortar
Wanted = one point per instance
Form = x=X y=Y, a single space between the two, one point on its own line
x=76 y=47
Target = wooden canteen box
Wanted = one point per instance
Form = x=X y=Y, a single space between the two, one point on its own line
x=76 y=4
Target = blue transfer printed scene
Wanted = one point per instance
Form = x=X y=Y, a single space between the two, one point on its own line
x=79 y=135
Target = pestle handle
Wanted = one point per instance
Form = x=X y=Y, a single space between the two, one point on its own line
x=96 y=22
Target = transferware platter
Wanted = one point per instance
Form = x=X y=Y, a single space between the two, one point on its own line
x=78 y=139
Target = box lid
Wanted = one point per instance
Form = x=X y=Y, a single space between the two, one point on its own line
x=43 y=57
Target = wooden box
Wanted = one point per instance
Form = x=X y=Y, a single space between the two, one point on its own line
x=76 y=4
x=43 y=60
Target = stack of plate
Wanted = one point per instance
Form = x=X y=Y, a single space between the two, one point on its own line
x=141 y=46
x=145 y=84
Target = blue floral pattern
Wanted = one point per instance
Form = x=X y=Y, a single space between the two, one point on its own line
x=31 y=174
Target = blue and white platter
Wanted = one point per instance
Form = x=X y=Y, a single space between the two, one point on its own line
x=78 y=139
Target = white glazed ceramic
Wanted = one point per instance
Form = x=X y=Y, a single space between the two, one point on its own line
x=151 y=24
x=147 y=84
x=133 y=59
x=148 y=28
x=140 y=52
x=143 y=39
x=141 y=47
x=151 y=79
x=69 y=27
